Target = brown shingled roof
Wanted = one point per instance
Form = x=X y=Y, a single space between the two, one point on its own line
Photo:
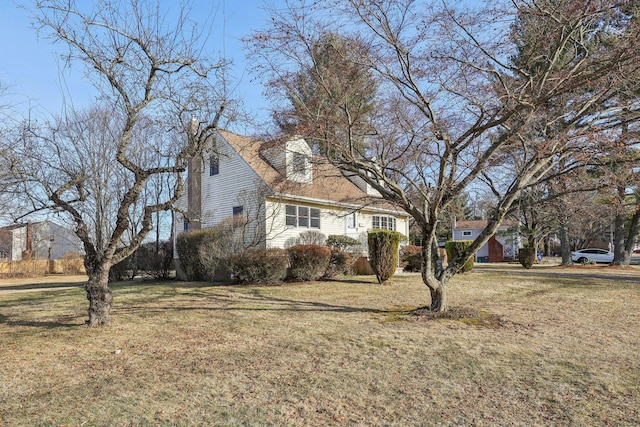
x=328 y=181
x=474 y=225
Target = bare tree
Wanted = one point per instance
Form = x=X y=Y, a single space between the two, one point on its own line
x=499 y=96
x=161 y=101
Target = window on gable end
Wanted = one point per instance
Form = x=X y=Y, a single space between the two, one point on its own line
x=214 y=165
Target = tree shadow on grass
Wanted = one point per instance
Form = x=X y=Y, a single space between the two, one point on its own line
x=42 y=286
x=254 y=301
x=64 y=322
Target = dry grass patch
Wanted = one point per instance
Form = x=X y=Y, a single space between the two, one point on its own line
x=564 y=352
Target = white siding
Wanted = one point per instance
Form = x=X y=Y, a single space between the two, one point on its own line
x=236 y=184
x=282 y=159
x=333 y=221
x=460 y=235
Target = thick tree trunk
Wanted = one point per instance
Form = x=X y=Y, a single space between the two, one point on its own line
x=439 y=300
x=99 y=296
x=619 y=253
x=565 y=249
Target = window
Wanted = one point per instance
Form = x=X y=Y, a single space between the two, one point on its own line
x=351 y=220
x=185 y=225
x=299 y=163
x=384 y=222
x=302 y=216
x=214 y=165
x=238 y=210
x=466 y=233
x=314 y=218
x=292 y=215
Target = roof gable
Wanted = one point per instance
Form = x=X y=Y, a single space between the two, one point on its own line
x=327 y=182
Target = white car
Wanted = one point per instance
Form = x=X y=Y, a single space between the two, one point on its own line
x=583 y=256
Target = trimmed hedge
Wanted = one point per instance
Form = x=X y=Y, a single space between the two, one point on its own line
x=527 y=257
x=383 y=253
x=308 y=262
x=454 y=247
x=264 y=266
x=188 y=246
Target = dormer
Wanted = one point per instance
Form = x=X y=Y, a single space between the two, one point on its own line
x=362 y=184
x=292 y=159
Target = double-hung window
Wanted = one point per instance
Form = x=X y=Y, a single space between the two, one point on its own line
x=384 y=222
x=214 y=165
x=302 y=216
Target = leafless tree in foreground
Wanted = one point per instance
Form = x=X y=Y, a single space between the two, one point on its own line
x=161 y=101
x=504 y=96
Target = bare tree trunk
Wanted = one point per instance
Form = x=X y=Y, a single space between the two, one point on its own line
x=439 y=298
x=437 y=287
x=565 y=249
x=99 y=296
x=619 y=252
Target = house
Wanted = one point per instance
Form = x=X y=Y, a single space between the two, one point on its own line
x=280 y=190
x=37 y=240
x=502 y=246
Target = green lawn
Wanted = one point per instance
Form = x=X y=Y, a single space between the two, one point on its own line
x=548 y=346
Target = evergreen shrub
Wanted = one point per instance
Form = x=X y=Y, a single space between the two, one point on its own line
x=188 y=246
x=527 y=257
x=455 y=247
x=383 y=253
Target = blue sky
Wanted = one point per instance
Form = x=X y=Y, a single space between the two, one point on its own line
x=29 y=63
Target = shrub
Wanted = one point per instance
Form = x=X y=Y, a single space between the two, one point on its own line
x=383 y=253
x=125 y=269
x=188 y=246
x=344 y=243
x=224 y=240
x=527 y=257
x=156 y=260
x=308 y=262
x=411 y=257
x=310 y=237
x=259 y=266
x=455 y=247
x=72 y=263
x=341 y=262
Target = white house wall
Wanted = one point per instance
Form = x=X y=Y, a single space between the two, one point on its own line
x=234 y=185
x=333 y=221
x=459 y=235
x=48 y=241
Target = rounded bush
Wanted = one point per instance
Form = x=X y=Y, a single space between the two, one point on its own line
x=411 y=257
x=263 y=266
x=308 y=262
x=340 y=263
